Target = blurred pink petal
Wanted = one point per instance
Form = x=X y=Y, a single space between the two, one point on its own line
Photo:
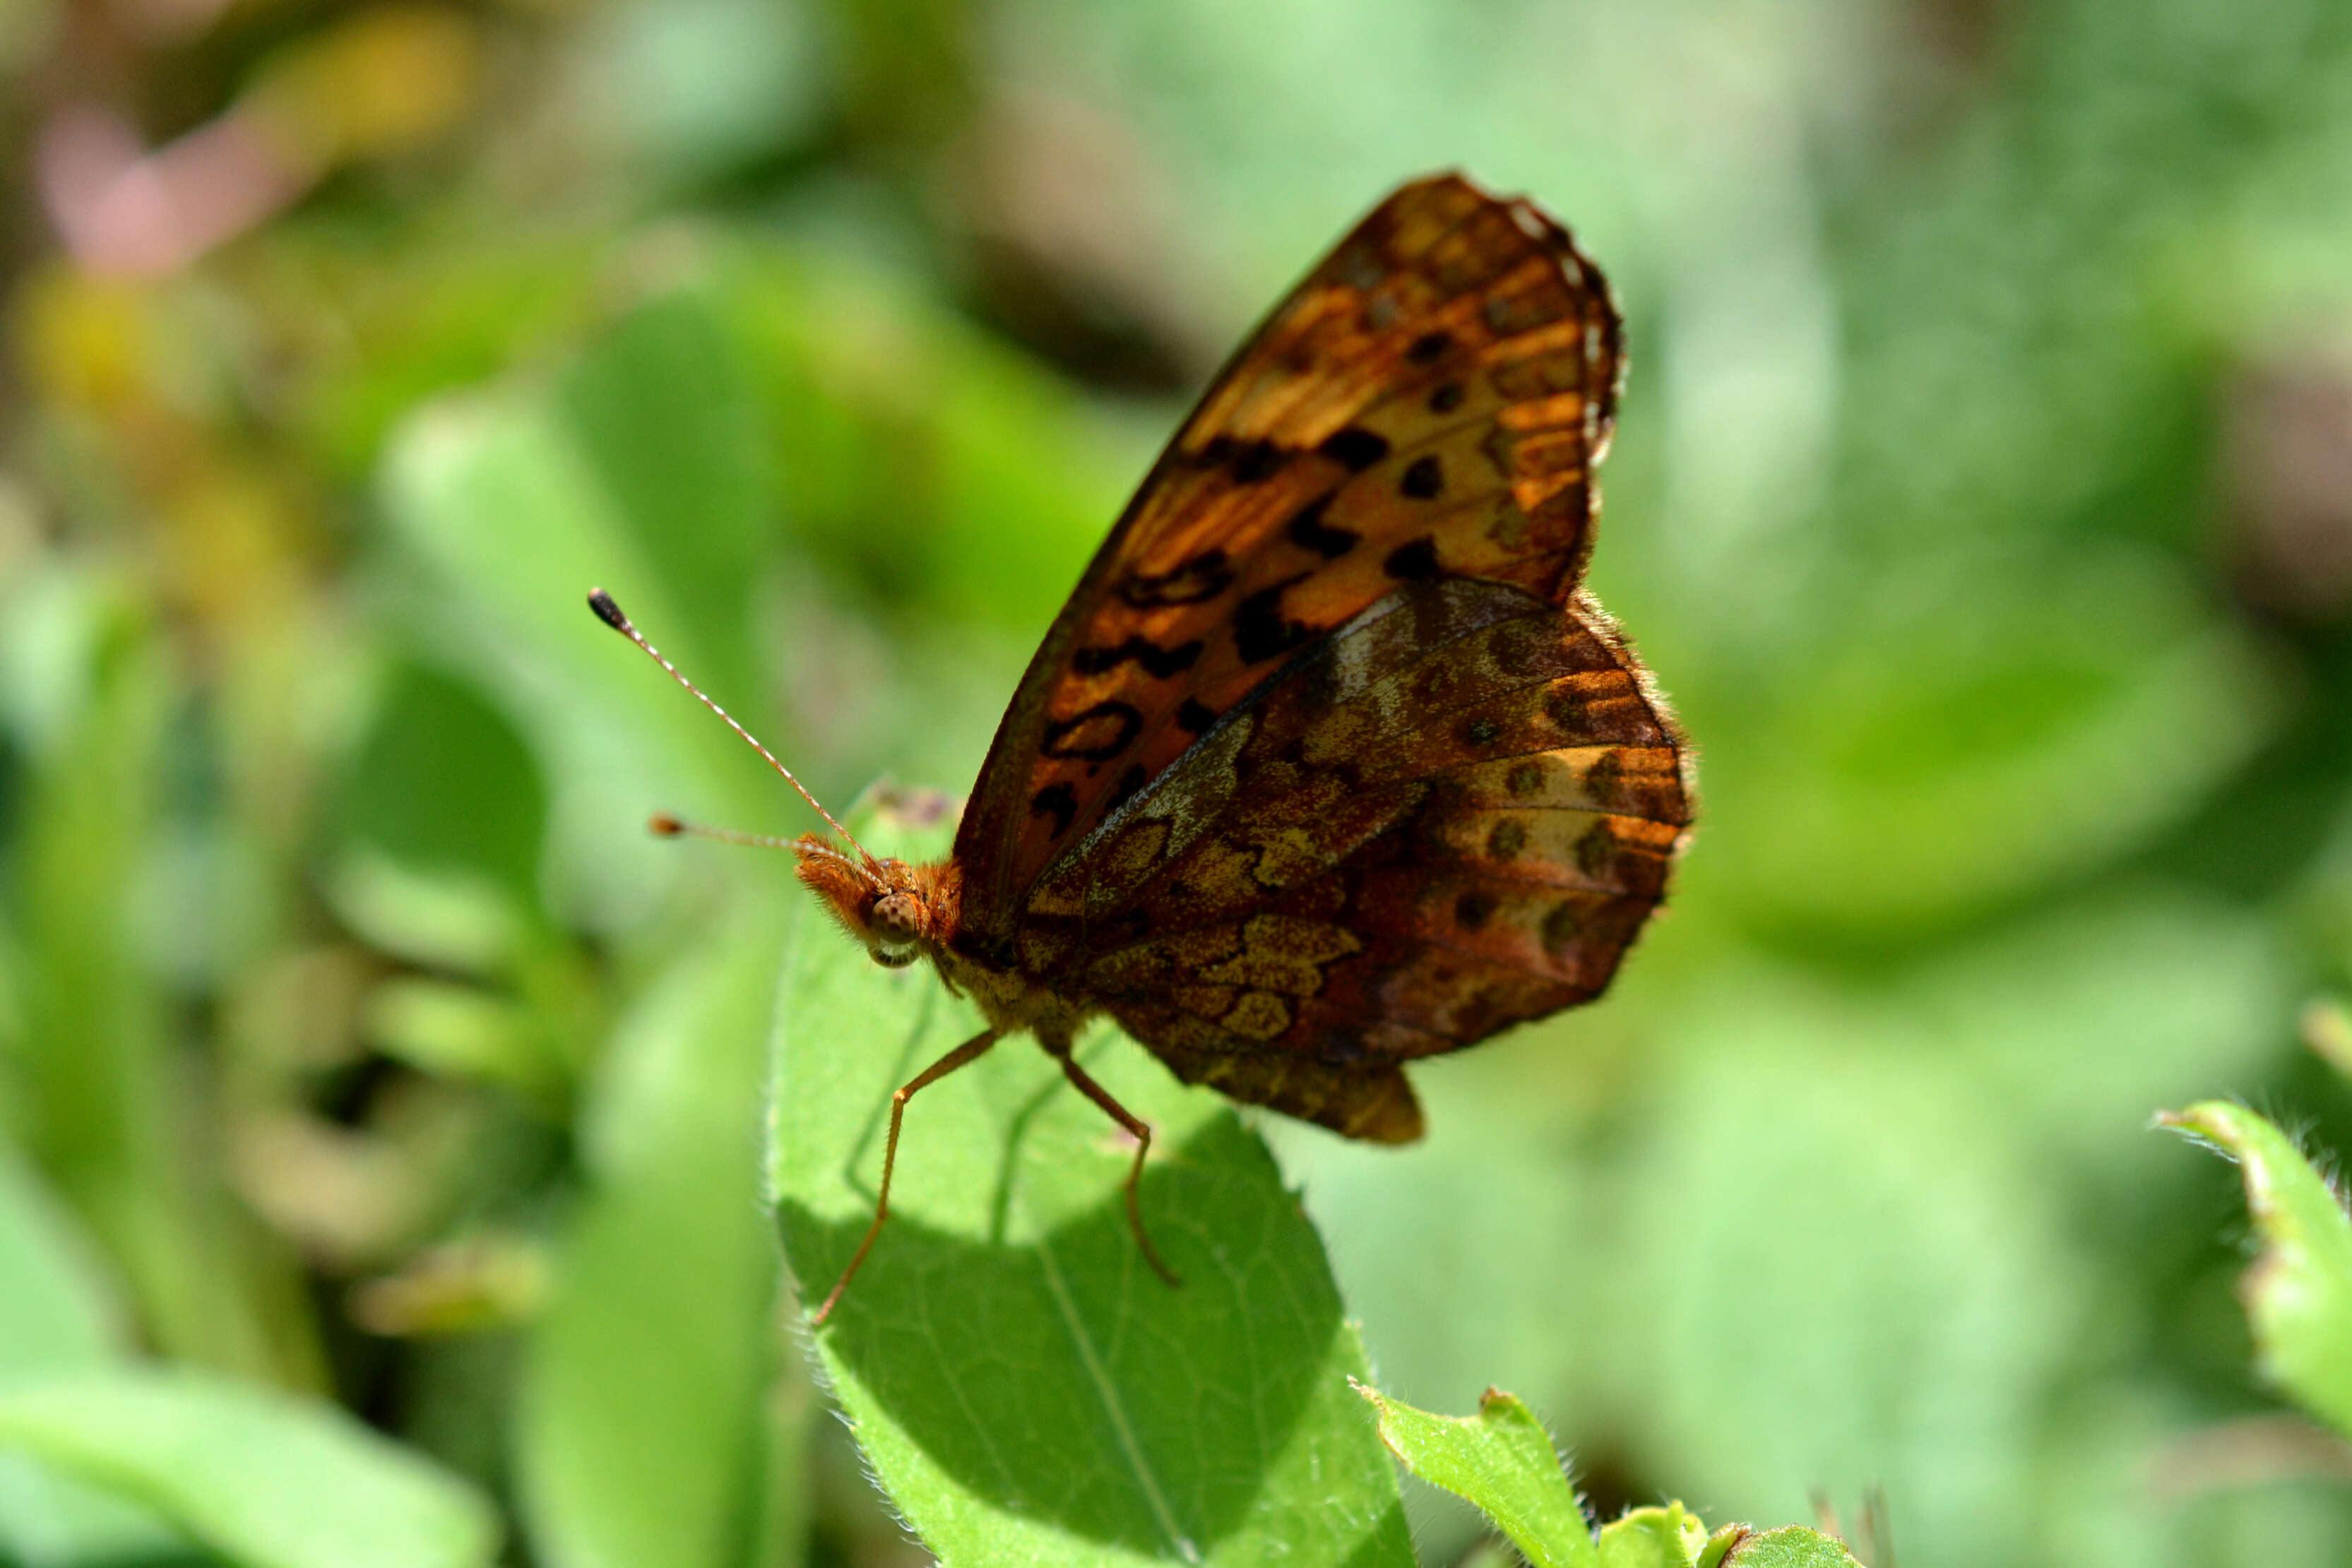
x=121 y=209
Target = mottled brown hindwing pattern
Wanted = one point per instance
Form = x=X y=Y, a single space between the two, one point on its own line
x=1450 y=817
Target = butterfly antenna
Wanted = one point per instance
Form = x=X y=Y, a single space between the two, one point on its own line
x=663 y=824
x=610 y=613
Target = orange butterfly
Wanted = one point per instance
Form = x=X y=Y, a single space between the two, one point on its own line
x=1328 y=762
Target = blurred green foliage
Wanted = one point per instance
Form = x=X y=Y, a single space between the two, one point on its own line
x=372 y=1088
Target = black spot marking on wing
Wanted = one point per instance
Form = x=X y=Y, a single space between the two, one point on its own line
x=1204 y=577
x=1596 y=851
x=1058 y=800
x=1479 y=731
x=1356 y=447
x=1261 y=631
x=1604 y=781
x=1157 y=661
x=1414 y=560
x=1310 y=531
x=1097 y=734
x=1429 y=347
x=1259 y=460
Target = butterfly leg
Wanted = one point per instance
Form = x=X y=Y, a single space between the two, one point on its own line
x=1141 y=1130
x=964 y=1055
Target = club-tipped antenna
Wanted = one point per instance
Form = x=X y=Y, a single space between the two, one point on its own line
x=662 y=825
x=610 y=613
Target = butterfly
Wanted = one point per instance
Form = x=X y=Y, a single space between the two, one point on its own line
x=1329 y=762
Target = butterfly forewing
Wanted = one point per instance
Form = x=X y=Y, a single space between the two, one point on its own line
x=1426 y=405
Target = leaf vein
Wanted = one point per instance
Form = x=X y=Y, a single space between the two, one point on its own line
x=1097 y=1373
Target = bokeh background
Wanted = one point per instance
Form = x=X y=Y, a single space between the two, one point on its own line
x=1983 y=497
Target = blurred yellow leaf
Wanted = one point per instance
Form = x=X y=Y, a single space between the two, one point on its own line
x=383 y=82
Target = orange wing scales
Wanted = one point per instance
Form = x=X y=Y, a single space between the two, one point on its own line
x=1427 y=404
x=1328 y=763
x=1455 y=696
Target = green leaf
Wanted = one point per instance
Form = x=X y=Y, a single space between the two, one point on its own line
x=446 y=918
x=663 y=415
x=2299 y=1292
x=511 y=522
x=1914 y=1355
x=1790 y=1546
x=265 y=1479
x=922 y=455
x=1026 y=1388
x=640 y=1408
x=56 y=1316
x=92 y=1089
x=1502 y=1460
x=443 y=782
x=54 y=1309
x=1666 y=1536
x=2027 y=717
x=461 y=1031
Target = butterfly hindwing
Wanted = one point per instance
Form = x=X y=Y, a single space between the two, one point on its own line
x=1427 y=404
x=1450 y=817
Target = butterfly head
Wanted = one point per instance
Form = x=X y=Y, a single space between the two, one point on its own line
x=900 y=912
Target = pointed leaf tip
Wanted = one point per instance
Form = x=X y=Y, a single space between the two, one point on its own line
x=1502 y=1460
x=2299 y=1294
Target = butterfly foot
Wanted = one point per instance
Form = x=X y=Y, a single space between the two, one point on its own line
x=1168 y=1277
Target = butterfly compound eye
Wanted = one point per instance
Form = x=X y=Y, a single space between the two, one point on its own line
x=896 y=920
